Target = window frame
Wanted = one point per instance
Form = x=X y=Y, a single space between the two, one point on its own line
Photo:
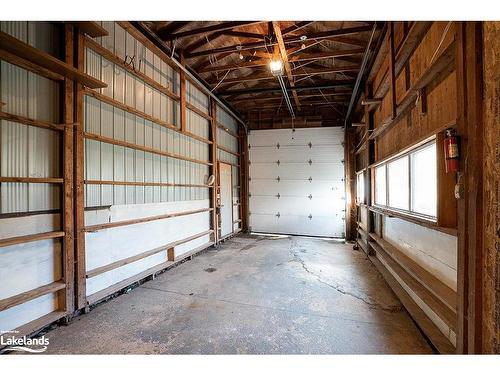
x=407 y=153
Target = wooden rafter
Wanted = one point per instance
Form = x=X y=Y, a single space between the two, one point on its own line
x=171 y=28
x=296 y=73
x=295 y=27
x=301 y=57
x=208 y=29
x=331 y=84
x=284 y=58
x=287 y=40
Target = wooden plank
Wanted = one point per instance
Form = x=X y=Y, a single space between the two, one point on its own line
x=21 y=298
x=33 y=180
x=122 y=262
x=444 y=313
x=79 y=173
x=90 y=27
x=441 y=67
x=214 y=169
x=392 y=71
x=44 y=60
x=434 y=285
x=286 y=63
x=28 y=65
x=414 y=219
x=133 y=183
x=31 y=122
x=198 y=111
x=182 y=99
x=437 y=338
x=97 y=227
x=412 y=40
x=135 y=146
x=225 y=149
x=208 y=29
x=68 y=186
x=30 y=238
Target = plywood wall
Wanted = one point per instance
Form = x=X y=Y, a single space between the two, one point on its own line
x=491 y=185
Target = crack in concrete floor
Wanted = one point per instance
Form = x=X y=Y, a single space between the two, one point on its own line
x=375 y=305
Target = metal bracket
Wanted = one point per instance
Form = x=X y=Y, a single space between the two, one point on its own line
x=278 y=162
x=310 y=145
x=278 y=179
x=278 y=215
x=310 y=179
x=278 y=195
x=310 y=196
x=310 y=217
x=278 y=145
x=310 y=161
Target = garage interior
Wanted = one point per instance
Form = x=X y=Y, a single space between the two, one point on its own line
x=251 y=187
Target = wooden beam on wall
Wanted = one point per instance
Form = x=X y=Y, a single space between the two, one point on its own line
x=182 y=98
x=214 y=169
x=79 y=192
x=68 y=186
x=470 y=205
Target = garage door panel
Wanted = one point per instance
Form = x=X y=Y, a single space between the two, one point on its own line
x=298 y=187
x=316 y=136
x=297 y=171
x=298 y=154
x=264 y=223
x=308 y=179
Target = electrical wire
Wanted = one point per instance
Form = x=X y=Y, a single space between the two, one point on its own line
x=217 y=85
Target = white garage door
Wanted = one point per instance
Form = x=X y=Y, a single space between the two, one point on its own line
x=297 y=181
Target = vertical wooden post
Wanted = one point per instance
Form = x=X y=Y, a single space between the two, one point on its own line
x=182 y=97
x=213 y=169
x=81 y=296
x=469 y=206
x=368 y=175
x=67 y=204
x=392 y=71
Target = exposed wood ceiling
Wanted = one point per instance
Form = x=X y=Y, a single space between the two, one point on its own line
x=321 y=62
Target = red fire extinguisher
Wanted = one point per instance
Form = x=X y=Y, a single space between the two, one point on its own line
x=451 y=151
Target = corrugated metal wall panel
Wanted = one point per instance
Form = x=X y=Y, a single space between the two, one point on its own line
x=196 y=97
x=41 y=35
x=226 y=120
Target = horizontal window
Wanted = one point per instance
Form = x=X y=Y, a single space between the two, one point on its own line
x=409 y=182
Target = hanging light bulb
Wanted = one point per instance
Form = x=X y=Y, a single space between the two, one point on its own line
x=241 y=56
x=276 y=67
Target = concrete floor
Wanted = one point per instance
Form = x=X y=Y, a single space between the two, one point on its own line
x=253 y=294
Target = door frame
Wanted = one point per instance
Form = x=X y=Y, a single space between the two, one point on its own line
x=219 y=200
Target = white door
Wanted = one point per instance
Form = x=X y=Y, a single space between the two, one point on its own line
x=226 y=200
x=297 y=181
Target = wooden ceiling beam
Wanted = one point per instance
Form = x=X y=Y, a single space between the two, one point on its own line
x=171 y=28
x=284 y=58
x=243 y=34
x=208 y=29
x=332 y=84
x=327 y=55
x=301 y=57
x=202 y=41
x=268 y=76
x=300 y=94
x=287 y=40
x=296 y=27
